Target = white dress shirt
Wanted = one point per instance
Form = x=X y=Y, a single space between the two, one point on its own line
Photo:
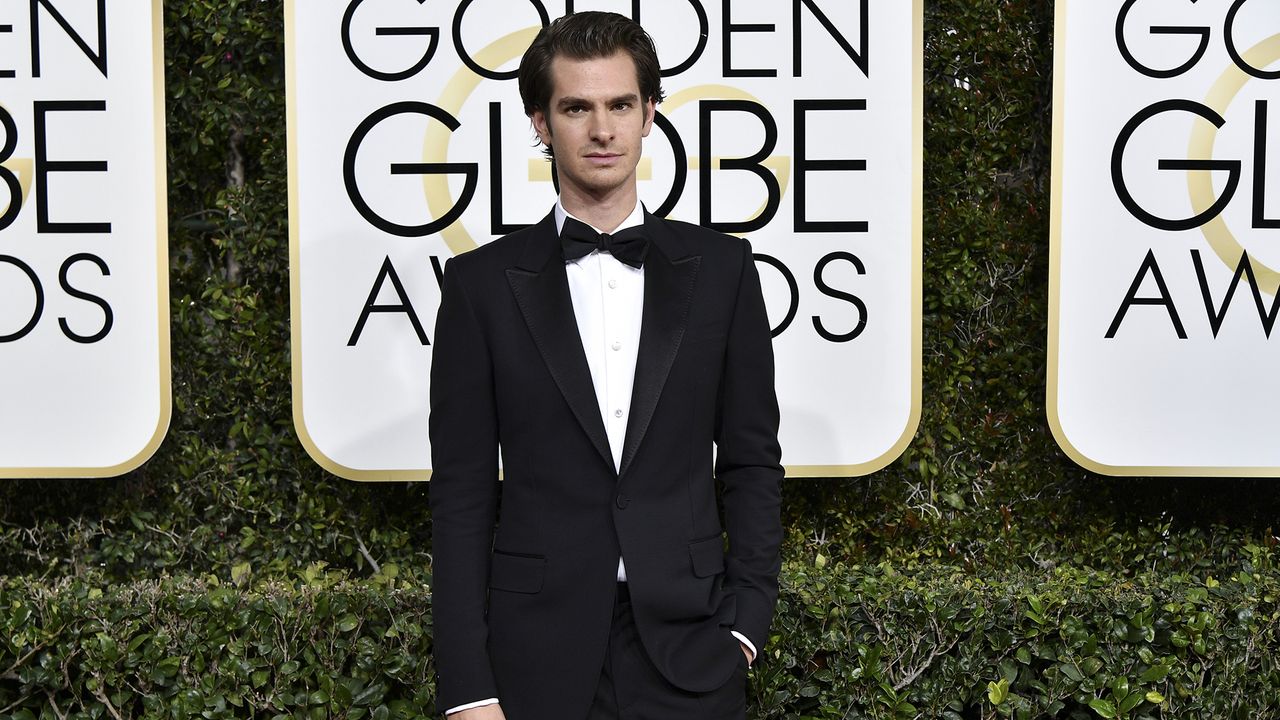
x=608 y=302
x=608 y=305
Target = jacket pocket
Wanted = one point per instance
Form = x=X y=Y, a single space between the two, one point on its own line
x=707 y=556
x=516 y=573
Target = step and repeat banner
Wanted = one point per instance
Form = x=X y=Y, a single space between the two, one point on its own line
x=84 y=308
x=1166 y=237
x=796 y=124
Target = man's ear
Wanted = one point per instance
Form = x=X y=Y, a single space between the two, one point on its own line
x=542 y=126
x=650 y=109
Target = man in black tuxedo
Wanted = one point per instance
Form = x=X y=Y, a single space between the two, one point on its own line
x=605 y=367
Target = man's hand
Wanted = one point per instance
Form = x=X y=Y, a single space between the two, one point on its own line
x=747 y=652
x=484 y=712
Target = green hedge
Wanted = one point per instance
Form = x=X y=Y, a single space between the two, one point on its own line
x=192 y=648
x=941 y=643
x=849 y=642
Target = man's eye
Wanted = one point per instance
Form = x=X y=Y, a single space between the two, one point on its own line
x=622 y=106
x=574 y=109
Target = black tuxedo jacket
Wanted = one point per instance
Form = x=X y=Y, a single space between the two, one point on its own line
x=523 y=596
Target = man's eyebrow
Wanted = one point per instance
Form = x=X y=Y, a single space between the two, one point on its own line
x=570 y=101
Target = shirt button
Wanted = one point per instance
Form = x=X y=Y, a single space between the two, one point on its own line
x=617 y=346
x=617 y=413
x=613 y=284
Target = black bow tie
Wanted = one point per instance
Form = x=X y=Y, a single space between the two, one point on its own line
x=629 y=246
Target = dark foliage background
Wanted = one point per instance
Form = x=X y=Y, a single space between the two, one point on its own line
x=950 y=544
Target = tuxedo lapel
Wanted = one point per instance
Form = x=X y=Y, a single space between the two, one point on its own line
x=541 y=290
x=669 y=276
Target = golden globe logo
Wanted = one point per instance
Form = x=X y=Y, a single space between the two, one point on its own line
x=441 y=162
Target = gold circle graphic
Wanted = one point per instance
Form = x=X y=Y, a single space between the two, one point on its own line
x=460 y=87
x=435 y=147
x=1200 y=182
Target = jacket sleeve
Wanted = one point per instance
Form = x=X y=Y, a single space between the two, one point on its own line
x=464 y=496
x=749 y=460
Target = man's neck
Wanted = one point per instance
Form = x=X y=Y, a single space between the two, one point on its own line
x=605 y=213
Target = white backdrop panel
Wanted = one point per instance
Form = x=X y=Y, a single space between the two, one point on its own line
x=433 y=83
x=84 y=317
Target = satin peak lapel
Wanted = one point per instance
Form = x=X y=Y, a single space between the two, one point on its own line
x=669 y=277
x=541 y=289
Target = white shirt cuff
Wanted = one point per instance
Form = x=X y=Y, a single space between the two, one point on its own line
x=750 y=647
x=468 y=706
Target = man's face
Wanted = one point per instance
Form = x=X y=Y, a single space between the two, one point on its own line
x=595 y=122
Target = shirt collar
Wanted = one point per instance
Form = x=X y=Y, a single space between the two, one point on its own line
x=635 y=218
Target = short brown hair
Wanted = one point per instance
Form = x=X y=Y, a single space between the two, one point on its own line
x=584 y=36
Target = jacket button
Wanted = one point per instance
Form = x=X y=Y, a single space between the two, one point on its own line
x=623 y=502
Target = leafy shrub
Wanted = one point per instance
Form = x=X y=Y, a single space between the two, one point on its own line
x=191 y=648
x=849 y=641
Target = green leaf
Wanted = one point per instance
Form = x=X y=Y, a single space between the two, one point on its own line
x=369 y=695
x=1133 y=700
x=348 y=623
x=137 y=641
x=169 y=666
x=1103 y=707
x=998 y=692
x=1091 y=666
x=1155 y=673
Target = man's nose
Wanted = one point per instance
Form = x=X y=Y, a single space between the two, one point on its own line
x=601 y=127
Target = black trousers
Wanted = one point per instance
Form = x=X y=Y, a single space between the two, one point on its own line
x=631 y=688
